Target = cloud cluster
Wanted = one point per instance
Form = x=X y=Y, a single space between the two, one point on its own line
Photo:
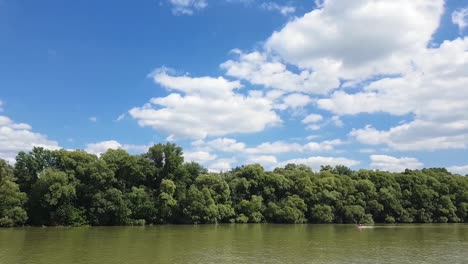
x=264 y=153
x=16 y=137
x=462 y=170
x=276 y=147
x=260 y=69
x=460 y=18
x=200 y=107
x=434 y=93
x=316 y=162
x=358 y=39
x=100 y=147
x=393 y=164
x=345 y=58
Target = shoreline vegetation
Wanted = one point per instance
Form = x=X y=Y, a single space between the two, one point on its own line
x=75 y=188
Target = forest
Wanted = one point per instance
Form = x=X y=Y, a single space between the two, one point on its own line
x=74 y=188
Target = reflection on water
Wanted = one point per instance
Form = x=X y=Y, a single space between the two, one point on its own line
x=260 y=243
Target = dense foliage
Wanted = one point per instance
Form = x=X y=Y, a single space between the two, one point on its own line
x=77 y=188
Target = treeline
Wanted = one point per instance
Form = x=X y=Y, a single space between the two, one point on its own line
x=73 y=188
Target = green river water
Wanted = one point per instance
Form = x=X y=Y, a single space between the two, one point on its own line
x=260 y=243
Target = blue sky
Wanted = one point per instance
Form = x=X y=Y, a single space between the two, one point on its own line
x=368 y=84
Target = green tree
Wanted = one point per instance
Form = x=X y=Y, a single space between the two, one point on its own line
x=166 y=204
x=109 y=208
x=290 y=210
x=11 y=199
x=322 y=214
x=29 y=165
x=250 y=211
x=54 y=198
x=141 y=205
x=130 y=171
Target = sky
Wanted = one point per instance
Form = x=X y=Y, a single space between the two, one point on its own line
x=377 y=84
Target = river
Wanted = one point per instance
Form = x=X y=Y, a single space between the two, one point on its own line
x=255 y=243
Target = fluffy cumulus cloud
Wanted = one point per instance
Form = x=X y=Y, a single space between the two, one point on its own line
x=100 y=147
x=344 y=58
x=316 y=162
x=15 y=137
x=199 y=107
x=260 y=69
x=358 y=38
x=462 y=170
x=460 y=18
x=393 y=164
x=296 y=100
x=327 y=145
x=187 y=7
x=202 y=86
x=265 y=160
x=221 y=165
x=312 y=121
x=220 y=144
x=229 y=145
x=312 y=118
x=434 y=93
x=276 y=147
x=264 y=154
x=198 y=156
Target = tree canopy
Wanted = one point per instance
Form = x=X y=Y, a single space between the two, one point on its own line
x=72 y=188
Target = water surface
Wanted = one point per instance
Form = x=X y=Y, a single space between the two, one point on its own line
x=261 y=243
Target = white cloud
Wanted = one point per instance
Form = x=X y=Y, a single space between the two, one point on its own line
x=337 y=121
x=434 y=92
x=283 y=9
x=221 y=144
x=367 y=150
x=100 y=147
x=187 y=7
x=229 y=145
x=462 y=170
x=310 y=137
x=295 y=100
x=201 y=86
x=265 y=160
x=358 y=38
x=136 y=149
x=276 y=147
x=312 y=121
x=460 y=18
x=16 y=137
x=213 y=109
x=93 y=119
x=260 y=69
x=393 y=164
x=316 y=162
x=327 y=145
x=312 y=118
x=417 y=135
x=120 y=118
x=313 y=127
x=198 y=156
x=220 y=165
